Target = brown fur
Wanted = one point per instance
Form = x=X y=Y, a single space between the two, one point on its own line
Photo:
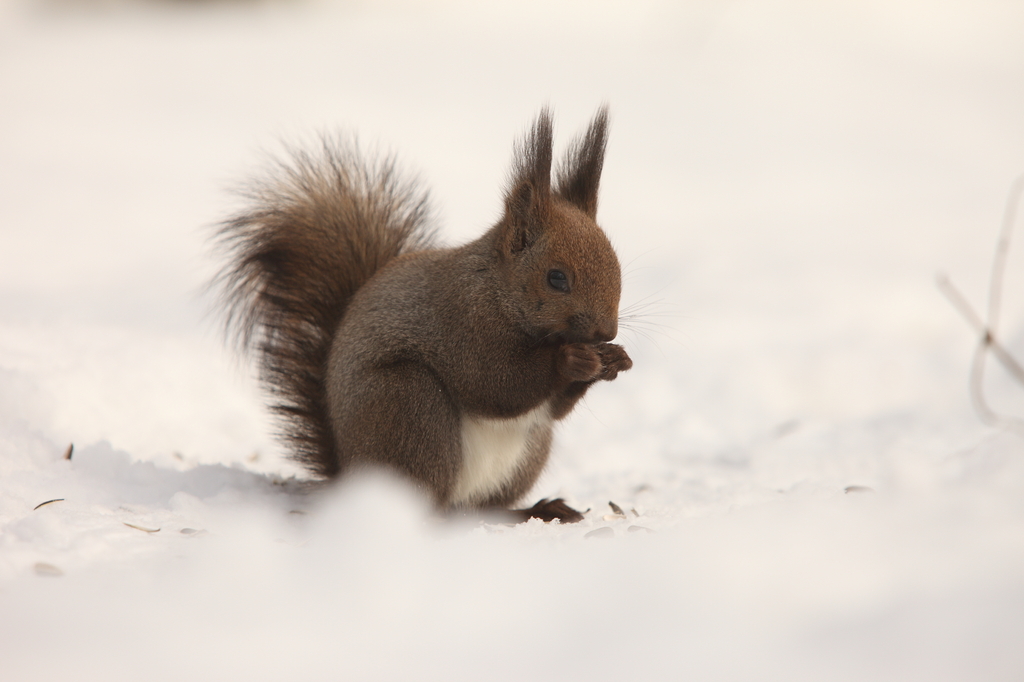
x=378 y=347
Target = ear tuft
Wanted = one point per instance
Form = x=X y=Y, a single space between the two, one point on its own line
x=529 y=190
x=532 y=161
x=580 y=174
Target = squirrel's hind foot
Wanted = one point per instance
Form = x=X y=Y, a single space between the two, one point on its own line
x=550 y=510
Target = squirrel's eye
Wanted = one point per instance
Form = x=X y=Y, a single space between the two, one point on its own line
x=558 y=280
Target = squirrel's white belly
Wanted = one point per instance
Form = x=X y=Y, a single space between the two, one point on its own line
x=492 y=451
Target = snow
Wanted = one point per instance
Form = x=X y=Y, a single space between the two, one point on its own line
x=807 y=493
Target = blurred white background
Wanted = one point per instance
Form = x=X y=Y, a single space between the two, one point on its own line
x=783 y=182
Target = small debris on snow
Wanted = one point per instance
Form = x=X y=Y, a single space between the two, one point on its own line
x=619 y=514
x=43 y=504
x=142 y=528
x=605 y=532
x=71 y=449
x=47 y=570
x=858 y=489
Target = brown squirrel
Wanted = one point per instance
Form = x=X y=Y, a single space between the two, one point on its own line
x=447 y=365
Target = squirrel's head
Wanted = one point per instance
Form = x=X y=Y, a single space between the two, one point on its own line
x=564 y=274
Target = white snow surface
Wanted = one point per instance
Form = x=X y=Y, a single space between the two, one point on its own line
x=783 y=182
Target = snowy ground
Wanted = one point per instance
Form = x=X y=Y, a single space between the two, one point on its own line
x=784 y=180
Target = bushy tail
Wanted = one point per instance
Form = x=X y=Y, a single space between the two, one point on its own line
x=315 y=230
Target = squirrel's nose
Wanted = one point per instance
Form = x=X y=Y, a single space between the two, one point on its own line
x=606 y=330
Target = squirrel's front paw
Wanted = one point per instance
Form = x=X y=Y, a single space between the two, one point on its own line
x=580 y=362
x=614 y=359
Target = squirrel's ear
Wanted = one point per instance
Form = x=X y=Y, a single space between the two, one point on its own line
x=580 y=174
x=529 y=192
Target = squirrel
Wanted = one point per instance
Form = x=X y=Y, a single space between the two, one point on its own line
x=449 y=366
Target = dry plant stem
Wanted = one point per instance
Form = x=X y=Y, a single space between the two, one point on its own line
x=995 y=293
x=985 y=342
x=995 y=290
x=987 y=332
x=986 y=339
x=986 y=413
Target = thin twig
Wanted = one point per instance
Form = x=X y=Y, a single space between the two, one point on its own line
x=987 y=330
x=985 y=336
x=995 y=294
x=986 y=413
x=959 y=302
x=995 y=290
x=985 y=342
